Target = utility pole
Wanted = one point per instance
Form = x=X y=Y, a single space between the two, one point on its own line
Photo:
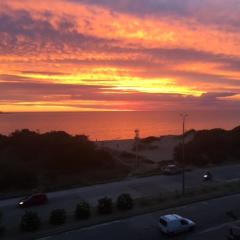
x=183 y=116
x=136 y=146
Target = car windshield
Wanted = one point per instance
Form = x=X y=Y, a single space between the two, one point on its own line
x=184 y=222
x=27 y=197
x=163 y=222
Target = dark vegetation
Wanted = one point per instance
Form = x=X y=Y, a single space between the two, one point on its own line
x=58 y=217
x=82 y=210
x=149 y=140
x=54 y=160
x=105 y=205
x=127 y=155
x=211 y=147
x=30 y=160
x=30 y=222
x=124 y=202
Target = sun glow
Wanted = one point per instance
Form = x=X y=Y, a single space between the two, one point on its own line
x=118 y=79
x=116 y=57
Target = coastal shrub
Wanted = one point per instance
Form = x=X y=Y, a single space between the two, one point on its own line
x=141 y=147
x=105 y=205
x=58 y=217
x=82 y=210
x=124 y=201
x=127 y=155
x=55 y=152
x=210 y=147
x=30 y=222
x=23 y=179
x=153 y=147
x=149 y=140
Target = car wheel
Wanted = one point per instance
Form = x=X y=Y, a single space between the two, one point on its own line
x=170 y=234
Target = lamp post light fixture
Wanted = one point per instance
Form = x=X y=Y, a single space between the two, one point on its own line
x=183 y=116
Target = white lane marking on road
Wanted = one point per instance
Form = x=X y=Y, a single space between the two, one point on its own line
x=101 y=225
x=84 y=229
x=232 y=180
x=228 y=224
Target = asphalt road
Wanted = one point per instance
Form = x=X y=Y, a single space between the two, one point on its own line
x=141 y=187
x=210 y=217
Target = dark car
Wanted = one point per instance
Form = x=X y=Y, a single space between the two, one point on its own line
x=33 y=200
x=171 y=170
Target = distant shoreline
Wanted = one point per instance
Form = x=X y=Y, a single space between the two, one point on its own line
x=5 y=112
x=126 y=111
x=108 y=126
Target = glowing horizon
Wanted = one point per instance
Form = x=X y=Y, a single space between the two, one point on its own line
x=89 y=55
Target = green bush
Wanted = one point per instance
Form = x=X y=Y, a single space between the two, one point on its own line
x=82 y=210
x=30 y=222
x=105 y=205
x=58 y=217
x=124 y=202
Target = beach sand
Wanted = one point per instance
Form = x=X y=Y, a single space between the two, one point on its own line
x=152 y=156
x=162 y=149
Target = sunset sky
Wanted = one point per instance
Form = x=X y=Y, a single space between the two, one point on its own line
x=105 y=55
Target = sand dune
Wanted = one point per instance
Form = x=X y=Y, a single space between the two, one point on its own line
x=160 y=150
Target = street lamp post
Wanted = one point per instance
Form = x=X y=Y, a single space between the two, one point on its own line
x=136 y=146
x=183 y=151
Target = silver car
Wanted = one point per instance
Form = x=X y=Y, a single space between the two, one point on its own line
x=173 y=224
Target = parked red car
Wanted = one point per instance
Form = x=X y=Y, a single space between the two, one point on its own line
x=33 y=200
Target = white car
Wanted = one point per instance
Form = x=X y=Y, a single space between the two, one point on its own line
x=173 y=224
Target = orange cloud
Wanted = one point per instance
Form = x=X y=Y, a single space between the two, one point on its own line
x=117 y=48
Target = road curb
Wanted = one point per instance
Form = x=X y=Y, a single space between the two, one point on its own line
x=121 y=216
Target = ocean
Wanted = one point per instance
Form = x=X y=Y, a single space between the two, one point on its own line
x=117 y=125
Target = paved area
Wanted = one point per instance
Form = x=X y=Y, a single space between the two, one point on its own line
x=210 y=216
x=140 y=187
